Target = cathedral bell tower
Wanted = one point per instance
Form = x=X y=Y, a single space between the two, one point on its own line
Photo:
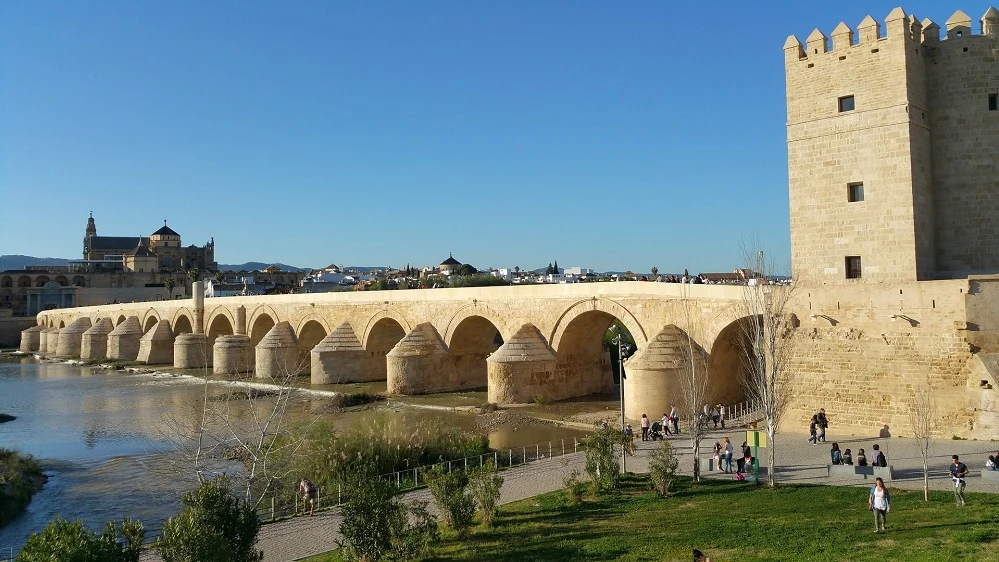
x=91 y=231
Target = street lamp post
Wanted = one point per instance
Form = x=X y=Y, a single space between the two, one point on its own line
x=620 y=378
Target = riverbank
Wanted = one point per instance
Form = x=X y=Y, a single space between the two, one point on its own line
x=21 y=477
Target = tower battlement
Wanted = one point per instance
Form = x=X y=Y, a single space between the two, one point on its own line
x=897 y=26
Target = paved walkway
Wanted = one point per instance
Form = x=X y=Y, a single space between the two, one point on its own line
x=797 y=462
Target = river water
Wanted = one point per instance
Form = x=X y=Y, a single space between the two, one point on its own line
x=109 y=440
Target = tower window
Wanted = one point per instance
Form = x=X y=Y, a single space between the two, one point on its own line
x=846 y=104
x=993 y=102
x=853 y=267
x=854 y=192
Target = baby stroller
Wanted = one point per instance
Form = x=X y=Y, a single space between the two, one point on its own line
x=656 y=432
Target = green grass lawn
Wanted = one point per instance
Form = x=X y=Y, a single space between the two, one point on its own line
x=733 y=521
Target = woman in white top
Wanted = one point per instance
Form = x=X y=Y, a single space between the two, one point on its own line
x=879 y=502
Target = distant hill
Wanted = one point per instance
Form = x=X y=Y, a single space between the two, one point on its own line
x=258 y=265
x=17 y=261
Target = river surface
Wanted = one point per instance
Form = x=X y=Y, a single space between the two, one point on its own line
x=109 y=440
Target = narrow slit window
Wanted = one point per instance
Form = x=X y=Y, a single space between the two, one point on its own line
x=993 y=102
x=855 y=192
x=853 y=267
x=846 y=103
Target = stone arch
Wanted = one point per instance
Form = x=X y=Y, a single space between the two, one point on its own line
x=578 y=341
x=79 y=281
x=61 y=279
x=598 y=304
x=386 y=314
x=6 y=281
x=261 y=324
x=310 y=332
x=41 y=280
x=24 y=281
x=120 y=319
x=473 y=340
x=472 y=311
x=62 y=323
x=727 y=362
x=182 y=322
x=383 y=331
x=150 y=320
x=221 y=324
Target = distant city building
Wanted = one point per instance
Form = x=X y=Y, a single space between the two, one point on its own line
x=160 y=251
x=449 y=265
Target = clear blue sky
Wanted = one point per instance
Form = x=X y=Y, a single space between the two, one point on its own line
x=608 y=135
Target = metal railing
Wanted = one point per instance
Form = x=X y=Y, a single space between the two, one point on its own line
x=413 y=478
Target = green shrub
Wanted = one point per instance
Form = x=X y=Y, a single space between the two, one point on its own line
x=375 y=524
x=601 y=460
x=573 y=488
x=663 y=463
x=70 y=542
x=453 y=503
x=485 y=484
x=214 y=526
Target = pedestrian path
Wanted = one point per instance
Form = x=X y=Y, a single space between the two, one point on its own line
x=797 y=462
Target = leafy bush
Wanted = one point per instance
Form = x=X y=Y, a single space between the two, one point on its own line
x=574 y=488
x=214 y=526
x=375 y=524
x=485 y=484
x=71 y=542
x=663 y=463
x=601 y=461
x=448 y=489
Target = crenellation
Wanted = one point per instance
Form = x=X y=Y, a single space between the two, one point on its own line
x=816 y=43
x=842 y=38
x=870 y=30
x=958 y=25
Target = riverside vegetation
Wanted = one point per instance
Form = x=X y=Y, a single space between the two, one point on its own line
x=20 y=477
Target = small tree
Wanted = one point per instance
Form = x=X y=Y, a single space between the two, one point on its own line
x=768 y=345
x=449 y=492
x=663 y=463
x=71 y=542
x=485 y=484
x=655 y=272
x=214 y=526
x=169 y=283
x=921 y=415
x=693 y=378
x=601 y=461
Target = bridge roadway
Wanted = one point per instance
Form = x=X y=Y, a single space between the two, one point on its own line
x=524 y=343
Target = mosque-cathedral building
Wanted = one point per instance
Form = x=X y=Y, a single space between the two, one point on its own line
x=161 y=251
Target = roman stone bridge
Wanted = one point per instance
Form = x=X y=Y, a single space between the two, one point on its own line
x=523 y=343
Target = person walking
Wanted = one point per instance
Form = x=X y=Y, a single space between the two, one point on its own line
x=674 y=415
x=721 y=415
x=813 y=431
x=823 y=423
x=879 y=501
x=645 y=427
x=958 y=470
x=715 y=416
x=729 y=451
x=629 y=440
x=309 y=495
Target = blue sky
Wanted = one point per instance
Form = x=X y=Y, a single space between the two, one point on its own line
x=608 y=135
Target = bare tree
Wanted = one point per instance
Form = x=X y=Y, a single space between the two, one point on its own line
x=693 y=379
x=768 y=346
x=921 y=414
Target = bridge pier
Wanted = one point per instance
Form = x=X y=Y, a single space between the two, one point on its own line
x=123 y=341
x=277 y=353
x=232 y=354
x=653 y=384
x=30 y=339
x=340 y=358
x=190 y=351
x=94 y=342
x=420 y=364
x=156 y=346
x=71 y=337
x=523 y=369
x=51 y=340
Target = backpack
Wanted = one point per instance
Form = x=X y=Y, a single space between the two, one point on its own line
x=881 y=460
